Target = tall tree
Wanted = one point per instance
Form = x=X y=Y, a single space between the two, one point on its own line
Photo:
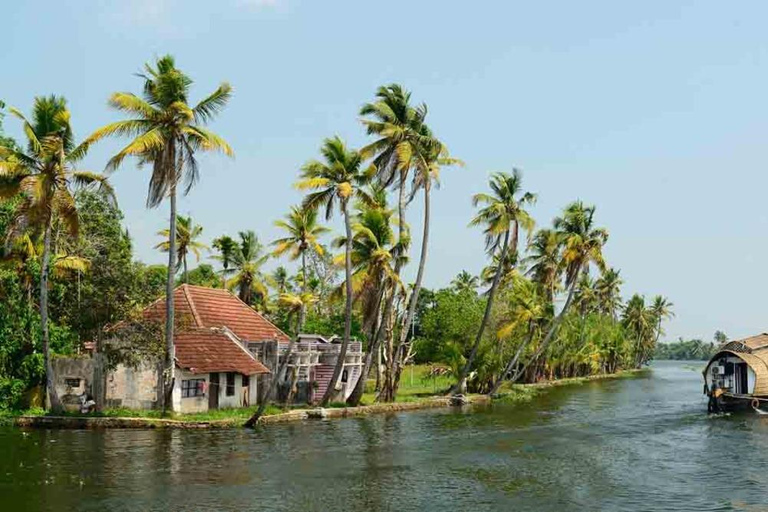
x=336 y=179
x=544 y=262
x=582 y=244
x=373 y=255
x=44 y=177
x=187 y=235
x=303 y=232
x=608 y=290
x=245 y=270
x=166 y=134
x=503 y=215
x=465 y=282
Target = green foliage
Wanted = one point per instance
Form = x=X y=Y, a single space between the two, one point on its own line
x=21 y=359
x=204 y=275
x=689 y=350
x=447 y=326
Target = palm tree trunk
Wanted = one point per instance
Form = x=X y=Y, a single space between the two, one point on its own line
x=461 y=381
x=303 y=310
x=50 y=387
x=331 y=392
x=388 y=381
x=168 y=377
x=414 y=299
x=375 y=346
x=552 y=329
x=186 y=274
x=299 y=325
x=513 y=362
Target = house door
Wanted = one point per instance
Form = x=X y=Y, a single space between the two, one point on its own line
x=213 y=391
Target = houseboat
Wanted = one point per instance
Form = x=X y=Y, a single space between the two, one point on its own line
x=736 y=377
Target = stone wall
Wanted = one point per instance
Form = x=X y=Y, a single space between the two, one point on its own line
x=134 y=388
x=73 y=376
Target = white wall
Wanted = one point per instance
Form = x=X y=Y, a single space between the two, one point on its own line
x=200 y=404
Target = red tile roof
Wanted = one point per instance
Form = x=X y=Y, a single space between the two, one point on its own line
x=198 y=306
x=214 y=350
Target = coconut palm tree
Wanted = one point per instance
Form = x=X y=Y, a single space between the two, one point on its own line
x=637 y=320
x=187 y=234
x=281 y=280
x=544 y=262
x=44 y=177
x=528 y=311
x=464 y=282
x=582 y=245
x=660 y=310
x=166 y=134
x=226 y=247
x=503 y=215
x=373 y=255
x=608 y=289
x=337 y=179
x=428 y=156
x=246 y=277
x=303 y=233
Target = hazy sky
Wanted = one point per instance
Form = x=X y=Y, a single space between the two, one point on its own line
x=654 y=111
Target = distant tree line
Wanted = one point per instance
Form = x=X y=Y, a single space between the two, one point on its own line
x=691 y=350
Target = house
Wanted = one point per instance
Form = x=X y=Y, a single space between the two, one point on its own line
x=737 y=375
x=226 y=354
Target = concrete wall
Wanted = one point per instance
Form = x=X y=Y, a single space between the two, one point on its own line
x=134 y=388
x=66 y=370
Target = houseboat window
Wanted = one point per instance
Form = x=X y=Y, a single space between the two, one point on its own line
x=246 y=381
x=192 y=387
x=230 y=384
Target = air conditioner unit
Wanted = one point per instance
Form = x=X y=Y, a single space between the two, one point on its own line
x=718 y=370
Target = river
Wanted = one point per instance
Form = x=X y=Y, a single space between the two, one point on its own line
x=643 y=443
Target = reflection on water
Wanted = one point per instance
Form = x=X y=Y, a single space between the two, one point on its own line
x=627 y=444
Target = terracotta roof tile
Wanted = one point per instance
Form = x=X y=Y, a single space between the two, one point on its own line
x=213 y=350
x=198 y=306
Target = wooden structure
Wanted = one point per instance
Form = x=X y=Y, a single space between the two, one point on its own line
x=738 y=373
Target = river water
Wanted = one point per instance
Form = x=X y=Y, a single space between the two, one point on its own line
x=644 y=443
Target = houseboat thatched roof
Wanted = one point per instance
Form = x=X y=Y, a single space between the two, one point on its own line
x=753 y=351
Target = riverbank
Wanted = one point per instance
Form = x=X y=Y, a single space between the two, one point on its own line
x=233 y=418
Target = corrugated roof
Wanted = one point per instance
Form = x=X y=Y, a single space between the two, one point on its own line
x=214 y=350
x=198 y=306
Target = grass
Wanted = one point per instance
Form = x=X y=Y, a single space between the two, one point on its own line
x=415 y=385
x=234 y=415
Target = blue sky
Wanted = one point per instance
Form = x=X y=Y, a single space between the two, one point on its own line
x=654 y=111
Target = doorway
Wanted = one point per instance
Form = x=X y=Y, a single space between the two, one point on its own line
x=213 y=391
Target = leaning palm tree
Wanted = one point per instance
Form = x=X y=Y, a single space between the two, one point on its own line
x=428 y=155
x=527 y=312
x=336 y=180
x=303 y=232
x=502 y=217
x=187 y=234
x=44 y=177
x=373 y=254
x=166 y=134
x=465 y=282
x=582 y=245
x=246 y=276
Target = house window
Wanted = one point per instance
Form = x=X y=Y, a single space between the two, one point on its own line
x=192 y=387
x=72 y=383
x=246 y=381
x=230 y=384
x=344 y=376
